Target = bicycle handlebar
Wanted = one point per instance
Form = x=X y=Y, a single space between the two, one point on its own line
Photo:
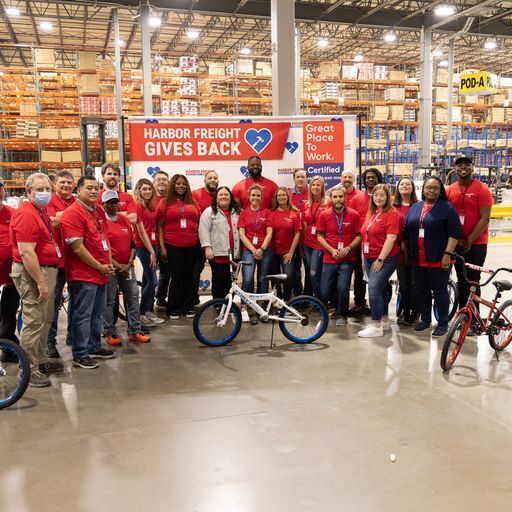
x=479 y=269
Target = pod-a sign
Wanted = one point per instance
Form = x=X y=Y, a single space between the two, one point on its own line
x=474 y=84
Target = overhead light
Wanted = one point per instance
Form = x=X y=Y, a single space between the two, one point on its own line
x=158 y=57
x=444 y=10
x=323 y=43
x=490 y=44
x=154 y=21
x=12 y=11
x=193 y=34
x=443 y=63
x=245 y=51
x=438 y=53
x=358 y=57
x=120 y=42
x=389 y=37
x=46 y=26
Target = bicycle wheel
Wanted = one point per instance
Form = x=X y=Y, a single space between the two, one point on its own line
x=503 y=337
x=206 y=328
x=453 y=296
x=312 y=327
x=454 y=340
x=14 y=374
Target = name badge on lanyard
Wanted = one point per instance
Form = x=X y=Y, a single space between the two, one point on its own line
x=254 y=240
x=104 y=244
x=462 y=217
x=153 y=237
x=366 y=247
x=313 y=230
x=183 y=222
x=57 y=250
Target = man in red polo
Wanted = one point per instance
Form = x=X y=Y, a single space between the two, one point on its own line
x=111 y=174
x=348 y=180
x=88 y=267
x=204 y=196
x=161 y=182
x=36 y=257
x=240 y=190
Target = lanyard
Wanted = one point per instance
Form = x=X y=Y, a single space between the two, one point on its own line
x=403 y=210
x=424 y=212
x=94 y=218
x=316 y=211
x=181 y=204
x=464 y=193
x=339 y=222
x=46 y=220
x=62 y=202
x=255 y=224
x=372 y=220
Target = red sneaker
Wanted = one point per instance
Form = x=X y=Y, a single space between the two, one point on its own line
x=114 y=340
x=139 y=338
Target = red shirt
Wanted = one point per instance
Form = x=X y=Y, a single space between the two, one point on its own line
x=240 y=191
x=422 y=258
x=285 y=224
x=299 y=199
x=225 y=259
x=350 y=196
x=120 y=238
x=375 y=230
x=91 y=227
x=32 y=225
x=339 y=229
x=148 y=219
x=180 y=223
x=359 y=203
x=6 y=213
x=203 y=198
x=126 y=202
x=59 y=204
x=255 y=223
x=311 y=215
x=467 y=202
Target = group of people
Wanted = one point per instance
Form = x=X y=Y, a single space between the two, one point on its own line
x=90 y=241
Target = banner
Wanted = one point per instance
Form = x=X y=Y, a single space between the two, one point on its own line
x=322 y=145
x=481 y=83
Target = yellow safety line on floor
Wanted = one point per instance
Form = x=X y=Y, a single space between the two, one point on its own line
x=499 y=239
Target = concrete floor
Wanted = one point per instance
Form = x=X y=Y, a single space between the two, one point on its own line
x=175 y=426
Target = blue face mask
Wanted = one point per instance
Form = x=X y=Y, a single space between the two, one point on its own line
x=43 y=198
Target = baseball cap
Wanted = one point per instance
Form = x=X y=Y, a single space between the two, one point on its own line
x=108 y=195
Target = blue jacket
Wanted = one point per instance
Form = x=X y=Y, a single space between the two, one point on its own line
x=441 y=223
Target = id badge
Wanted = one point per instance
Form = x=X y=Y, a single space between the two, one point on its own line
x=340 y=246
x=183 y=223
x=422 y=233
x=153 y=237
x=254 y=240
x=313 y=230
x=105 y=245
x=366 y=247
x=462 y=218
x=57 y=250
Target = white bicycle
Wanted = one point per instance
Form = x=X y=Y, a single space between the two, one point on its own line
x=302 y=319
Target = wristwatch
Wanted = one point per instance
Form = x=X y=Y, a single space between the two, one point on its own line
x=379 y=260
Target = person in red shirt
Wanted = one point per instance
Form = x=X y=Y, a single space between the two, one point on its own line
x=88 y=268
x=255 y=227
x=338 y=232
x=286 y=230
x=63 y=197
x=36 y=256
x=381 y=252
x=177 y=224
x=146 y=243
x=241 y=189
x=161 y=182
x=120 y=238
x=405 y=197
x=473 y=202
x=111 y=175
x=9 y=298
x=313 y=251
x=348 y=180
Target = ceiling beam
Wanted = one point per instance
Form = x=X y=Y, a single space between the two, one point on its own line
x=33 y=21
x=11 y=31
x=462 y=14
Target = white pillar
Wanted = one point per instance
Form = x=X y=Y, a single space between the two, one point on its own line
x=146 y=59
x=451 y=58
x=425 y=114
x=283 y=57
x=119 y=99
x=297 y=72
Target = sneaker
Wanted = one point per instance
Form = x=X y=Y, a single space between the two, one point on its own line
x=472 y=331
x=51 y=351
x=371 y=331
x=144 y=330
x=245 y=316
x=356 y=311
x=51 y=367
x=155 y=319
x=161 y=305
x=146 y=321
x=174 y=316
x=439 y=332
x=341 y=320
x=139 y=338
x=86 y=363
x=386 y=326
x=39 y=380
x=422 y=326
x=102 y=353
x=114 y=340
x=190 y=313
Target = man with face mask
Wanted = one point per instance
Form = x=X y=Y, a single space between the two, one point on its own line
x=36 y=257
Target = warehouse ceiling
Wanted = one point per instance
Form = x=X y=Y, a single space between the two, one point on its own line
x=224 y=27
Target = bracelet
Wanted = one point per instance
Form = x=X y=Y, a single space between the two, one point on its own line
x=379 y=260
x=448 y=253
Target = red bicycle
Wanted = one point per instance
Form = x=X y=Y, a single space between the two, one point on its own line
x=497 y=325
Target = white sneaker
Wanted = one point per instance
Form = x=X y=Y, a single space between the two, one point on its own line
x=245 y=316
x=342 y=320
x=386 y=326
x=155 y=319
x=146 y=322
x=371 y=332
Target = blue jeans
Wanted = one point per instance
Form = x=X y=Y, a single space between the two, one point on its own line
x=428 y=282
x=89 y=301
x=377 y=283
x=337 y=275
x=59 y=288
x=248 y=271
x=279 y=266
x=149 y=280
x=314 y=259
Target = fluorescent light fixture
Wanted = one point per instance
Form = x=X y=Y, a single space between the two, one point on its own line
x=193 y=34
x=443 y=63
x=438 y=53
x=245 y=51
x=444 y=10
x=46 y=26
x=323 y=43
x=358 y=57
x=390 y=37
x=158 y=57
x=154 y=21
x=490 y=44
x=12 y=11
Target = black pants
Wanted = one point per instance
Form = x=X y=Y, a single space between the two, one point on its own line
x=9 y=304
x=298 y=289
x=408 y=302
x=198 y=268
x=221 y=279
x=428 y=282
x=164 y=278
x=181 y=262
x=278 y=266
x=475 y=255
x=359 y=282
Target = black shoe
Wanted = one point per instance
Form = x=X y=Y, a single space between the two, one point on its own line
x=439 y=332
x=102 y=353
x=190 y=313
x=422 y=326
x=356 y=311
x=52 y=352
x=472 y=331
x=86 y=363
x=51 y=367
x=161 y=305
x=39 y=380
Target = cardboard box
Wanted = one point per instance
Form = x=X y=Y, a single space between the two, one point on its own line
x=87 y=61
x=49 y=133
x=71 y=156
x=156 y=89
x=329 y=70
x=396 y=76
x=44 y=58
x=107 y=65
x=497 y=115
x=70 y=133
x=394 y=94
x=89 y=84
x=28 y=109
x=51 y=156
x=216 y=68
x=244 y=67
x=263 y=69
x=396 y=112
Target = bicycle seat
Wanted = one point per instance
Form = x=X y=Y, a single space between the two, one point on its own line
x=276 y=278
x=503 y=285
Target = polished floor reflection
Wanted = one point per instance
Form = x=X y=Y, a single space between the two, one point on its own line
x=175 y=426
